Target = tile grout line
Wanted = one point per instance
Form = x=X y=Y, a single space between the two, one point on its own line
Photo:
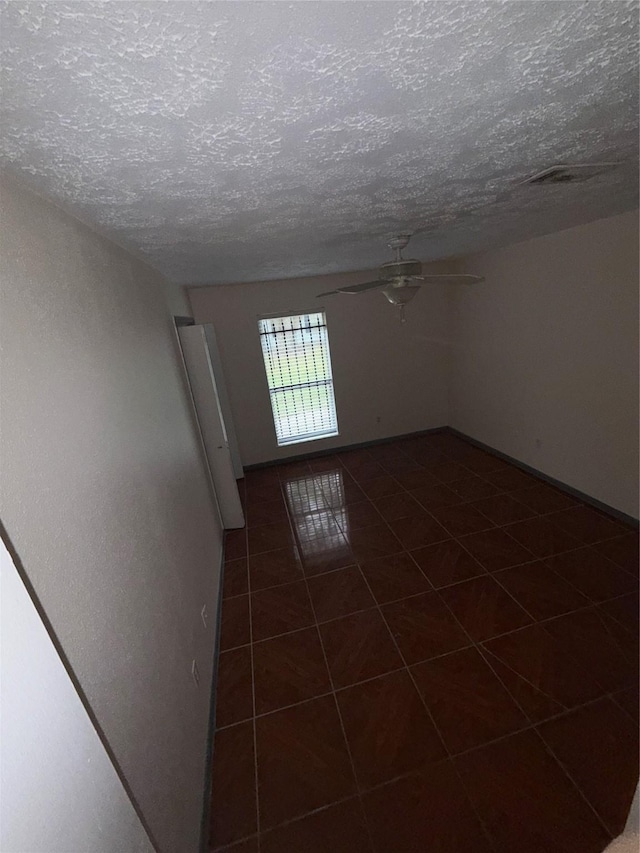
x=592 y=604
x=526 y=716
x=337 y=706
x=427 y=708
x=575 y=785
x=253 y=685
x=449 y=757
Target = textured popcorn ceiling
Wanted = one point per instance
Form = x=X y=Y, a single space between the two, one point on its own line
x=236 y=141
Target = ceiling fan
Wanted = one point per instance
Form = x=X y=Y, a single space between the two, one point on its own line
x=396 y=277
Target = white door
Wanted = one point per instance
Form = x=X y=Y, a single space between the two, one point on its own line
x=197 y=361
x=223 y=397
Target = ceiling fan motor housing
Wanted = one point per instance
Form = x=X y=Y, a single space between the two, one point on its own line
x=404 y=269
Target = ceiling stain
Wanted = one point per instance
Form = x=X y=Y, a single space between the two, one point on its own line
x=238 y=141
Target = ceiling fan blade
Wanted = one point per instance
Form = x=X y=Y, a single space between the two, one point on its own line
x=327 y=293
x=449 y=279
x=356 y=288
x=360 y=288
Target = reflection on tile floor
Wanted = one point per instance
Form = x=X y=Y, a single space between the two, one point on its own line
x=424 y=648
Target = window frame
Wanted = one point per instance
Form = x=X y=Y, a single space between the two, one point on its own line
x=300 y=438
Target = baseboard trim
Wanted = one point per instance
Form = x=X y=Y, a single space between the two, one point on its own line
x=208 y=761
x=588 y=499
x=330 y=451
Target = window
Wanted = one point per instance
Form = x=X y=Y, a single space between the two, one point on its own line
x=298 y=365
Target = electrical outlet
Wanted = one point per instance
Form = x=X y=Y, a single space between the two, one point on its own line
x=204 y=615
x=195 y=673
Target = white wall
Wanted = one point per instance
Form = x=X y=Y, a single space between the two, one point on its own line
x=177 y=299
x=545 y=356
x=105 y=500
x=381 y=368
x=60 y=793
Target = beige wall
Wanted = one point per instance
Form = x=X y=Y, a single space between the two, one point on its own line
x=382 y=369
x=104 y=498
x=545 y=358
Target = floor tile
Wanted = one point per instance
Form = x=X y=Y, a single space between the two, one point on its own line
x=235 y=544
x=446 y=563
x=269 y=537
x=400 y=466
x=257 y=477
x=325 y=463
x=526 y=801
x=625 y=610
x=326 y=555
x=593 y=574
x=418 y=532
x=623 y=551
x=371 y=542
x=629 y=700
x=234 y=687
x=626 y=637
x=449 y=472
x=274 y=567
x=426 y=513
x=540 y=536
x=388 y=729
x=542 y=498
x=433 y=496
x=312 y=494
x=249 y=845
x=586 y=636
x=266 y=491
x=586 y=524
x=423 y=812
x=486 y=464
x=339 y=593
x=510 y=479
x=484 y=608
x=303 y=762
x=393 y=577
x=473 y=488
x=541 y=591
x=381 y=486
x=280 y=609
x=293 y=470
x=289 y=669
x=358 y=647
x=496 y=550
x=235 y=627
x=469 y=704
x=235 y=578
x=350 y=491
x=462 y=519
x=402 y=505
x=233 y=786
x=354 y=457
x=357 y=515
x=423 y=627
x=536 y=704
x=337 y=829
x=416 y=478
x=598 y=746
x=266 y=512
x=544 y=661
x=503 y=509
x=366 y=471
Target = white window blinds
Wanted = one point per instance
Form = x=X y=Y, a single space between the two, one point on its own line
x=298 y=366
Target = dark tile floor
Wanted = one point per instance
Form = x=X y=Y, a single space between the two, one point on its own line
x=424 y=649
